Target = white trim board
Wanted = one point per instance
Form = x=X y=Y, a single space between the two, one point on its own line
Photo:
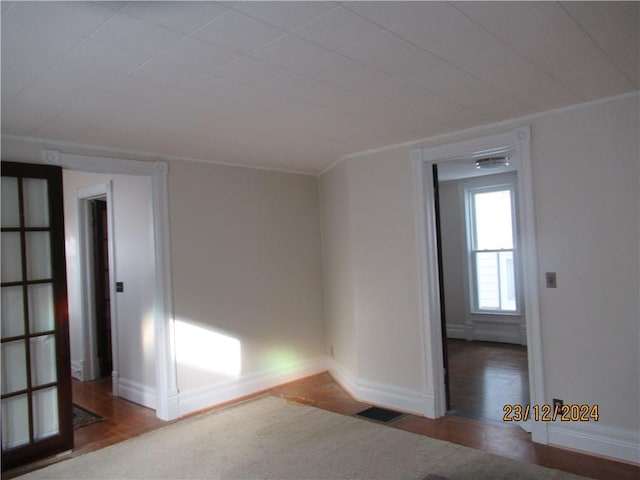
x=397 y=398
x=618 y=444
x=230 y=389
x=136 y=392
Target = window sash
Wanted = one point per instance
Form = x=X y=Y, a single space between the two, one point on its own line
x=501 y=294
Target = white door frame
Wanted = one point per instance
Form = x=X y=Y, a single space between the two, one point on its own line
x=517 y=143
x=166 y=389
x=86 y=281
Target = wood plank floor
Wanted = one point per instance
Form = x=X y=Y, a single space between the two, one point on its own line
x=126 y=420
x=484 y=376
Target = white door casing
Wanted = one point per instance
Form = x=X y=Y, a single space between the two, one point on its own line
x=166 y=390
x=517 y=143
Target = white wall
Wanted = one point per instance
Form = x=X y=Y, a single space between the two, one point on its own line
x=585 y=168
x=247 y=279
x=453 y=260
x=371 y=277
x=340 y=324
x=586 y=173
x=134 y=265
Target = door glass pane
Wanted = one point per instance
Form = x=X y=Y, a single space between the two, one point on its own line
x=15 y=422
x=41 y=308
x=38 y=256
x=45 y=413
x=14 y=366
x=10 y=208
x=11 y=261
x=43 y=360
x=36 y=202
x=12 y=312
x=493 y=229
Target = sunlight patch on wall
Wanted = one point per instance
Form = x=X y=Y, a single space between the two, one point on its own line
x=148 y=335
x=281 y=357
x=203 y=348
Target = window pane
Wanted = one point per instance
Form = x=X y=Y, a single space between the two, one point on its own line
x=10 y=209
x=507 y=282
x=488 y=288
x=36 y=203
x=12 y=312
x=14 y=366
x=43 y=360
x=493 y=229
x=41 y=317
x=15 y=422
x=38 y=256
x=45 y=413
x=11 y=257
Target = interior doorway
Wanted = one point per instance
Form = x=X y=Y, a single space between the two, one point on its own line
x=101 y=283
x=95 y=271
x=516 y=144
x=481 y=299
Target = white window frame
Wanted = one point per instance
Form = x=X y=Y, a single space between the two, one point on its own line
x=469 y=192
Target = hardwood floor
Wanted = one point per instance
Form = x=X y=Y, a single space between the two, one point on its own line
x=126 y=420
x=484 y=376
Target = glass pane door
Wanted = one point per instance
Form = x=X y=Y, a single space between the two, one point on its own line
x=36 y=383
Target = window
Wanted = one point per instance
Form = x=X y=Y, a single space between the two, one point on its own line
x=492 y=249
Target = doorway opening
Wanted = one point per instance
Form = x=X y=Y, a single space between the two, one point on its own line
x=96 y=270
x=481 y=299
x=101 y=282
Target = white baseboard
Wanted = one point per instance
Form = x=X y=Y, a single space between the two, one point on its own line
x=397 y=398
x=77 y=370
x=135 y=392
x=487 y=332
x=220 y=392
x=623 y=445
x=458 y=331
x=497 y=333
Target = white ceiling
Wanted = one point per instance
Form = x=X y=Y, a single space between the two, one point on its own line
x=297 y=85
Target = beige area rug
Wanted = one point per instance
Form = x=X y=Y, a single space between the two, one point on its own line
x=272 y=438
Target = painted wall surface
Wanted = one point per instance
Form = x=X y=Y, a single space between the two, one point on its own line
x=247 y=273
x=340 y=322
x=586 y=175
x=134 y=265
x=383 y=240
x=453 y=259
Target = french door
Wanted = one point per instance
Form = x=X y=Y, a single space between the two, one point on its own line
x=36 y=375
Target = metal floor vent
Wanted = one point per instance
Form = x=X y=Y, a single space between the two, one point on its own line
x=381 y=415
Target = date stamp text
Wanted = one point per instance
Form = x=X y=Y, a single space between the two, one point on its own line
x=550 y=413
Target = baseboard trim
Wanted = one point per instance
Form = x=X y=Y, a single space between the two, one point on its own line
x=623 y=445
x=457 y=331
x=398 y=398
x=77 y=370
x=136 y=392
x=200 y=398
x=487 y=332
